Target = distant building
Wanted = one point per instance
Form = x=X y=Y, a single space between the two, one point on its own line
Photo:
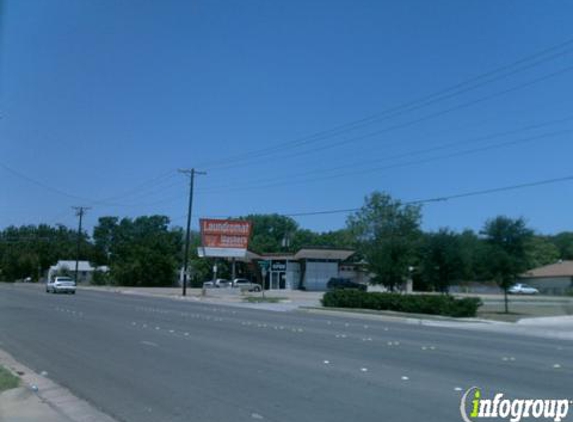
x=309 y=268
x=556 y=279
x=85 y=270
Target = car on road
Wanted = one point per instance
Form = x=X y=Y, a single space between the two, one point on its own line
x=61 y=285
x=245 y=284
x=522 y=289
x=338 y=283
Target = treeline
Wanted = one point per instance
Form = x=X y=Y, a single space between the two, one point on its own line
x=387 y=235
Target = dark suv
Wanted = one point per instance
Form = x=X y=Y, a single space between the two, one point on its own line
x=344 y=284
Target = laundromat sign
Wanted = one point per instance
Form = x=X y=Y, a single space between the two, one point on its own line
x=232 y=234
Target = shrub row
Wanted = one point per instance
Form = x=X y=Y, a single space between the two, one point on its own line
x=422 y=304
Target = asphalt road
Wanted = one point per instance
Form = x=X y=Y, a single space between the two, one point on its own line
x=159 y=360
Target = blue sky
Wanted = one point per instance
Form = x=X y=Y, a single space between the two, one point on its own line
x=102 y=101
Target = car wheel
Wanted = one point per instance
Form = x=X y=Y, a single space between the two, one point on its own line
x=73 y=293
x=257 y=289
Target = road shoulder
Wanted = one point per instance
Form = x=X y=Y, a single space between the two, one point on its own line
x=41 y=399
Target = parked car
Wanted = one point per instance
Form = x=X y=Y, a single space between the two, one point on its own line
x=522 y=289
x=61 y=285
x=245 y=284
x=337 y=283
x=220 y=282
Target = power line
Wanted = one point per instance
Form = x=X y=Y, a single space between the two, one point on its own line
x=396 y=165
x=424 y=118
x=39 y=183
x=445 y=198
x=441 y=95
x=422 y=151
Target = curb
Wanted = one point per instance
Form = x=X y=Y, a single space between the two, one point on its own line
x=396 y=315
x=38 y=392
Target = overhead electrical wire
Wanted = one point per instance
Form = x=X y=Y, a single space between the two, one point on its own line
x=441 y=95
x=401 y=109
x=405 y=154
x=445 y=198
x=430 y=116
x=390 y=166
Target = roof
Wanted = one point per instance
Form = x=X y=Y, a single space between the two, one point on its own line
x=276 y=256
x=303 y=253
x=324 y=253
x=559 y=269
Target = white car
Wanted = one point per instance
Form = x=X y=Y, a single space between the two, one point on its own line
x=245 y=284
x=522 y=289
x=220 y=282
x=61 y=285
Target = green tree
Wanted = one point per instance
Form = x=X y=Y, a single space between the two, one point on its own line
x=28 y=251
x=387 y=233
x=564 y=242
x=332 y=239
x=103 y=237
x=541 y=251
x=507 y=250
x=271 y=232
x=442 y=259
x=141 y=251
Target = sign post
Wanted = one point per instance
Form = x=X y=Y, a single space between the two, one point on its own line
x=264 y=270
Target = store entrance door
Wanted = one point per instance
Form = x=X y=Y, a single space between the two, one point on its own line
x=278 y=275
x=278 y=280
x=274 y=280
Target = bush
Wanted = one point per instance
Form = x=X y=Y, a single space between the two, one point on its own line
x=421 y=304
x=100 y=278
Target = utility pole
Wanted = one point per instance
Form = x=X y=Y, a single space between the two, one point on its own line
x=192 y=172
x=80 y=211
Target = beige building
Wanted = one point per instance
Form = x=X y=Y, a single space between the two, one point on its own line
x=553 y=279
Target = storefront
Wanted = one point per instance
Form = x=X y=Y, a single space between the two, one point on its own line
x=308 y=269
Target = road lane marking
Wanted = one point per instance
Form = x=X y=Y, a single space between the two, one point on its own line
x=149 y=343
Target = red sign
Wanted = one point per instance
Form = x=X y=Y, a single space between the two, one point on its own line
x=225 y=233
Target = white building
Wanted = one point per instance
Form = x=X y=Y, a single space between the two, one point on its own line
x=309 y=268
x=85 y=270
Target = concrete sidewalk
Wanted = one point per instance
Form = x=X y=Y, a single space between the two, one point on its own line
x=290 y=299
x=24 y=405
x=40 y=399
